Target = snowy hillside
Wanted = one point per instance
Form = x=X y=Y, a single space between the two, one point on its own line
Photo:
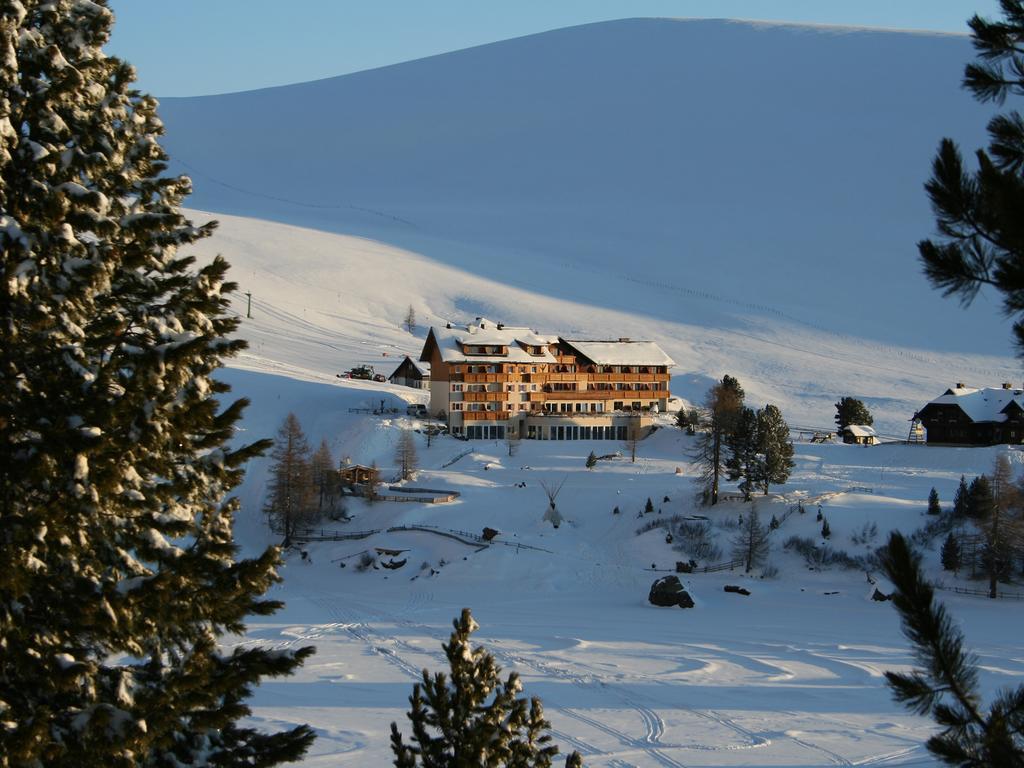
x=715 y=173
x=790 y=675
x=746 y=195
x=323 y=303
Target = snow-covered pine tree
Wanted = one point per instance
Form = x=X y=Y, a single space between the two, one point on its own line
x=118 y=570
x=850 y=410
x=744 y=457
x=291 y=493
x=775 y=448
x=934 y=505
x=471 y=718
x=722 y=406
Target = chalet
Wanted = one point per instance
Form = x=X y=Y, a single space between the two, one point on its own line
x=352 y=475
x=494 y=381
x=411 y=373
x=859 y=434
x=967 y=416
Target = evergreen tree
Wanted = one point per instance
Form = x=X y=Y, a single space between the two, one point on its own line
x=471 y=718
x=951 y=553
x=688 y=419
x=826 y=529
x=934 y=507
x=946 y=684
x=649 y=506
x=291 y=502
x=744 y=457
x=118 y=569
x=979 y=498
x=850 y=410
x=977 y=211
x=774 y=447
x=410 y=320
x=591 y=460
x=721 y=408
x=750 y=544
x=961 y=500
x=405 y=454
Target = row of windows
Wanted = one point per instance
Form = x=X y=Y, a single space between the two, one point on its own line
x=497 y=432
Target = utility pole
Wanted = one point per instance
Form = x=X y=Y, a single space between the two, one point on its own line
x=248 y=306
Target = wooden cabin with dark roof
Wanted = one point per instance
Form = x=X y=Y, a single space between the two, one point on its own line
x=965 y=415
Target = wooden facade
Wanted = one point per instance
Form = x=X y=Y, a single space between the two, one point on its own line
x=948 y=422
x=484 y=389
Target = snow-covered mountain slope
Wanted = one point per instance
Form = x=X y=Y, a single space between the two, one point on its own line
x=322 y=303
x=710 y=173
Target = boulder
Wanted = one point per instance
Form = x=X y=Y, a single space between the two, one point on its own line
x=668 y=591
x=736 y=589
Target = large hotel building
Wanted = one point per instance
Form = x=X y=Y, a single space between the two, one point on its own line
x=492 y=381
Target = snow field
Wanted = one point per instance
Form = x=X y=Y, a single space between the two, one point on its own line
x=789 y=676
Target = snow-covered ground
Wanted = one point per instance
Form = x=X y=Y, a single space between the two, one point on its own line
x=754 y=212
x=789 y=676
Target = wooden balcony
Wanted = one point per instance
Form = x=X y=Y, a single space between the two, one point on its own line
x=486 y=397
x=486 y=378
x=485 y=415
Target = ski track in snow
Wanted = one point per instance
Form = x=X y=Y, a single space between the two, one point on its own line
x=358 y=622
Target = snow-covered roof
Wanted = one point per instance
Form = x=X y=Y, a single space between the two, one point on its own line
x=860 y=430
x=621 y=352
x=422 y=367
x=484 y=333
x=985 y=404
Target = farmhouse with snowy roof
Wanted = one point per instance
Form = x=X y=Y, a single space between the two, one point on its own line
x=967 y=416
x=411 y=373
x=493 y=381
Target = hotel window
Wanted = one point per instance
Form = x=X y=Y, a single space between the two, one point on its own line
x=456 y=387
x=456 y=406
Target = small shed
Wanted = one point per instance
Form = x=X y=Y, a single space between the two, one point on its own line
x=356 y=474
x=859 y=434
x=411 y=373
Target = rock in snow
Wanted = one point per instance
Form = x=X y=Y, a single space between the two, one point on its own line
x=668 y=591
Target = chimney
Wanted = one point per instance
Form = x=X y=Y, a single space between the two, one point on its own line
x=1007 y=385
x=501 y=326
x=960 y=385
x=448 y=326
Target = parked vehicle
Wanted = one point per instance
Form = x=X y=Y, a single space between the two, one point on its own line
x=418 y=410
x=362 y=372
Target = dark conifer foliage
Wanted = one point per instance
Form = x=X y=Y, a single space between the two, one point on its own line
x=951 y=553
x=977 y=210
x=945 y=684
x=471 y=718
x=850 y=410
x=118 y=570
x=934 y=507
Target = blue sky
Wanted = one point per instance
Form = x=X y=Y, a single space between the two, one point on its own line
x=193 y=47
